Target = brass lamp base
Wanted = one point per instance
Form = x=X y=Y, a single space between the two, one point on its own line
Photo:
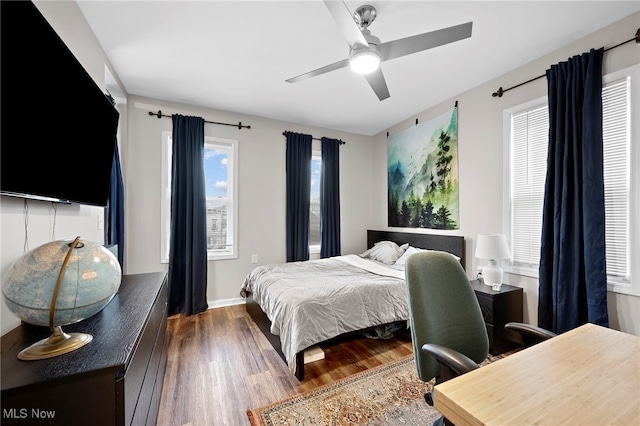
x=58 y=343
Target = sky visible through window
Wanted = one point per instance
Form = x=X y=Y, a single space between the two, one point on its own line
x=215 y=173
x=315 y=178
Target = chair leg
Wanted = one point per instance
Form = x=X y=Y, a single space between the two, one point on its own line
x=443 y=421
x=440 y=422
x=428 y=396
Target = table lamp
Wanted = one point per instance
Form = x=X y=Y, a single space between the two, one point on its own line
x=492 y=247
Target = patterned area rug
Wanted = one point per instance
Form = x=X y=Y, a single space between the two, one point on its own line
x=391 y=394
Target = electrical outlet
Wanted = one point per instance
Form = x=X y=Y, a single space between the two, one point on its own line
x=254 y=258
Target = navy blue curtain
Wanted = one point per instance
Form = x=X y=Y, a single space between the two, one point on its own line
x=298 y=195
x=114 y=211
x=330 y=198
x=188 y=243
x=573 y=278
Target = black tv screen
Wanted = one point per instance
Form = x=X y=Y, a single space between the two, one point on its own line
x=58 y=128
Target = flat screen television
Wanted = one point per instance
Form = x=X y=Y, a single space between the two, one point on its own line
x=58 y=128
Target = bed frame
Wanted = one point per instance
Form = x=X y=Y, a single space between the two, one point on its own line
x=452 y=244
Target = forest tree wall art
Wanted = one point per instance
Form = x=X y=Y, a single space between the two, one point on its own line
x=422 y=180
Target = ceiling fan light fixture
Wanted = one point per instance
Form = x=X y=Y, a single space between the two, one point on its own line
x=364 y=61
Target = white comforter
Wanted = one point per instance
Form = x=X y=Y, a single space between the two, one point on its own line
x=313 y=301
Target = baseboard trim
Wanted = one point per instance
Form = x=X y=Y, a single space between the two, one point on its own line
x=225 y=302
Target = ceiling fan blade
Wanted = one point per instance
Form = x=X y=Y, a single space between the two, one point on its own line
x=332 y=67
x=414 y=44
x=378 y=84
x=344 y=20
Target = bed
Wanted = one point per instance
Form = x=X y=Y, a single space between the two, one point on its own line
x=300 y=304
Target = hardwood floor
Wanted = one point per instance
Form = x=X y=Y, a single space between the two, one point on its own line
x=220 y=364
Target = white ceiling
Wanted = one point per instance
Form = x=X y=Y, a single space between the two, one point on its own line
x=236 y=55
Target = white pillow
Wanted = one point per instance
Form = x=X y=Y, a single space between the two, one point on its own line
x=408 y=252
x=411 y=250
x=386 y=252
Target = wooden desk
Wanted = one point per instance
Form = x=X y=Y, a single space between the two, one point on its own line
x=589 y=375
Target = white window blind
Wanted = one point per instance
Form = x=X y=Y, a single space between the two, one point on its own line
x=529 y=138
x=616 y=137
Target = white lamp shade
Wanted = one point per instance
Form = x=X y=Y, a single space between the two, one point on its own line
x=492 y=246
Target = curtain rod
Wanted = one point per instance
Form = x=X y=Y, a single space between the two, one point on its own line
x=159 y=114
x=498 y=93
x=285 y=133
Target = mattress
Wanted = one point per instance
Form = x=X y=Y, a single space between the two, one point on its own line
x=313 y=301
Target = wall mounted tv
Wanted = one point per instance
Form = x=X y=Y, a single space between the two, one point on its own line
x=58 y=128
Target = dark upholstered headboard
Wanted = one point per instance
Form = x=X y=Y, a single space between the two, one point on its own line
x=451 y=243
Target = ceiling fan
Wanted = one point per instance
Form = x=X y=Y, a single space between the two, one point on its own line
x=367 y=52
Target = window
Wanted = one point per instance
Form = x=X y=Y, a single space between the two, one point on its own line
x=219 y=167
x=526 y=131
x=527 y=175
x=616 y=139
x=220 y=172
x=314 y=208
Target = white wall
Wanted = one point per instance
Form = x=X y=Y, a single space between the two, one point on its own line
x=18 y=229
x=480 y=149
x=261 y=192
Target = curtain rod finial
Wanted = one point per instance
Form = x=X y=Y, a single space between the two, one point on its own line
x=638 y=36
x=498 y=93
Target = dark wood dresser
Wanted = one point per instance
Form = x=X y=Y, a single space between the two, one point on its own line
x=114 y=380
x=498 y=308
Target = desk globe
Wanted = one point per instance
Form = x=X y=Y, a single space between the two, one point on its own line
x=61 y=283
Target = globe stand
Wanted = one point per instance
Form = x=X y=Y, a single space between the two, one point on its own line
x=58 y=343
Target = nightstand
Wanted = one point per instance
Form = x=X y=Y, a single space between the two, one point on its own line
x=498 y=308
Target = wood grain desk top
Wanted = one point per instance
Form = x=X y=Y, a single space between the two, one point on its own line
x=589 y=375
